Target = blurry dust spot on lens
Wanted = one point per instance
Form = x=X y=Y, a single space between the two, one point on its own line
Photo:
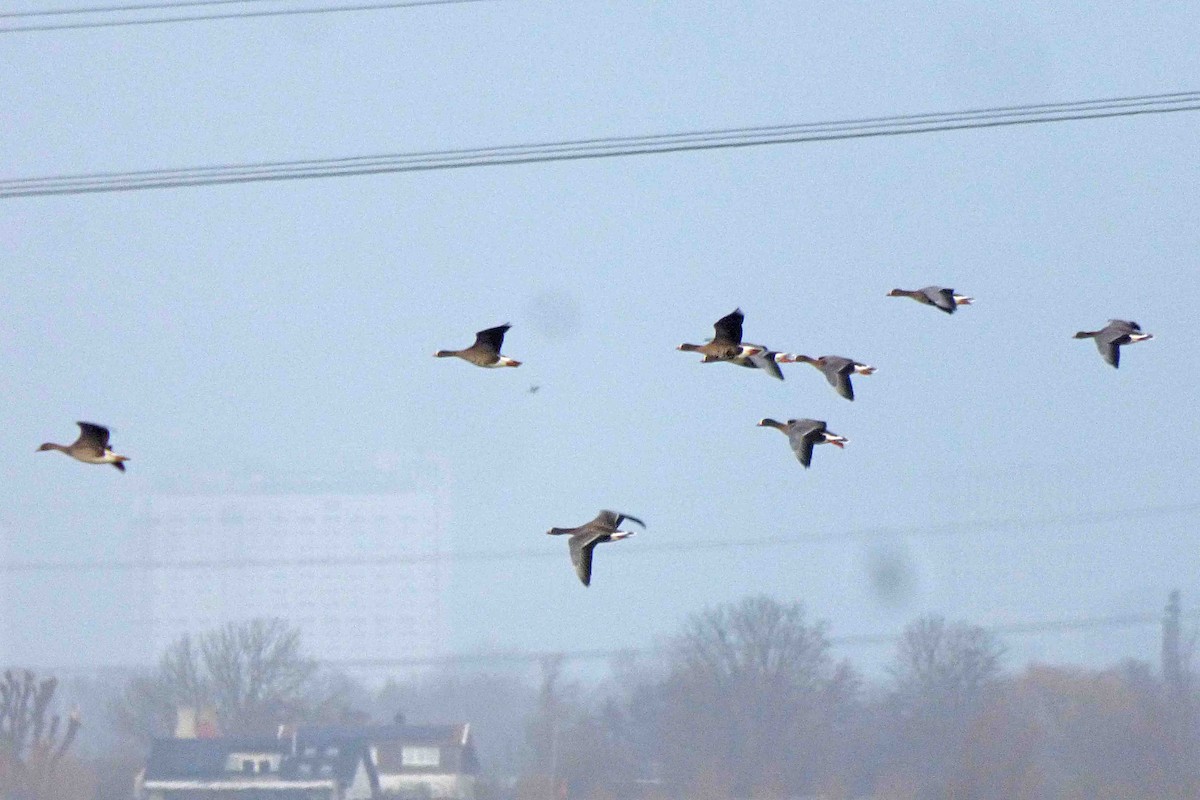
x=555 y=315
x=891 y=574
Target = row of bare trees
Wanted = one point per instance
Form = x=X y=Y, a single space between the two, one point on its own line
x=751 y=704
x=747 y=702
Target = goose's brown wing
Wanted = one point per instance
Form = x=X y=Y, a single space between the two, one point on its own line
x=622 y=517
x=841 y=382
x=609 y=521
x=767 y=363
x=582 y=546
x=729 y=327
x=491 y=339
x=1109 y=350
x=942 y=298
x=92 y=436
x=802 y=446
x=837 y=371
x=802 y=435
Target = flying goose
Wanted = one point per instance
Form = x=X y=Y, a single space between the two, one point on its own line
x=803 y=434
x=726 y=344
x=91 y=447
x=837 y=370
x=1110 y=338
x=944 y=299
x=486 y=350
x=585 y=538
x=756 y=356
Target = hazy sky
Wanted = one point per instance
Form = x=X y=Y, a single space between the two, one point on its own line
x=287 y=328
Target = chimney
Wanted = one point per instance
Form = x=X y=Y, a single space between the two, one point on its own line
x=287 y=733
x=207 y=726
x=185 y=722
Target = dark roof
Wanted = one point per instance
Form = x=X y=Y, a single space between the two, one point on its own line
x=457 y=735
x=204 y=759
x=339 y=757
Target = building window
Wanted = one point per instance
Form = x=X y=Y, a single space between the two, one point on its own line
x=264 y=766
x=247 y=765
x=420 y=757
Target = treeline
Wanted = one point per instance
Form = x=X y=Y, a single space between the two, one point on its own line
x=747 y=701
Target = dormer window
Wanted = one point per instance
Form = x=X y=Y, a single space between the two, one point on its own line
x=251 y=763
x=420 y=756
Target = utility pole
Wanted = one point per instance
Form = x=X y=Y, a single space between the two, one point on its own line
x=551 y=671
x=1174 y=679
x=1180 y=716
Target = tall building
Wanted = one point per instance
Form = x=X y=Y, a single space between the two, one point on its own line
x=359 y=572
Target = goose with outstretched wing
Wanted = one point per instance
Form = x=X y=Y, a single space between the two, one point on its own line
x=584 y=539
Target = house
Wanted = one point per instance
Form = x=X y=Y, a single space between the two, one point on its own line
x=418 y=762
x=233 y=768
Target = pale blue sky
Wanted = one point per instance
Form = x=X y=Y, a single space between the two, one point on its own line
x=287 y=328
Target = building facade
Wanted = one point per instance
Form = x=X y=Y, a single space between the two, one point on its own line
x=360 y=573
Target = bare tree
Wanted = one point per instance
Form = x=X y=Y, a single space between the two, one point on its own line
x=750 y=701
x=942 y=677
x=32 y=740
x=945 y=665
x=252 y=675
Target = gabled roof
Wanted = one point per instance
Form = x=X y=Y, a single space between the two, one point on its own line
x=337 y=757
x=203 y=759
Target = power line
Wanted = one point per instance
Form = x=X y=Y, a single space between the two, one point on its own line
x=603 y=147
x=939 y=530
x=54 y=12
x=852 y=640
x=278 y=12
x=1024 y=628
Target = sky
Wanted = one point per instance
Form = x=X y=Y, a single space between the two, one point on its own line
x=287 y=328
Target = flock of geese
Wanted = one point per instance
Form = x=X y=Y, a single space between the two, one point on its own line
x=92 y=446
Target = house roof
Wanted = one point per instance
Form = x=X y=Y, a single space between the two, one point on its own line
x=205 y=759
x=202 y=759
x=456 y=735
x=340 y=757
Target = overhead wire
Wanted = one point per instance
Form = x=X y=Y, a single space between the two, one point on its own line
x=600 y=147
x=523 y=554
x=1024 y=628
x=82 y=10
x=384 y=5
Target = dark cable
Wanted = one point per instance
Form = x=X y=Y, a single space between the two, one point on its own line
x=952 y=529
x=279 y=12
x=598 y=147
x=139 y=7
